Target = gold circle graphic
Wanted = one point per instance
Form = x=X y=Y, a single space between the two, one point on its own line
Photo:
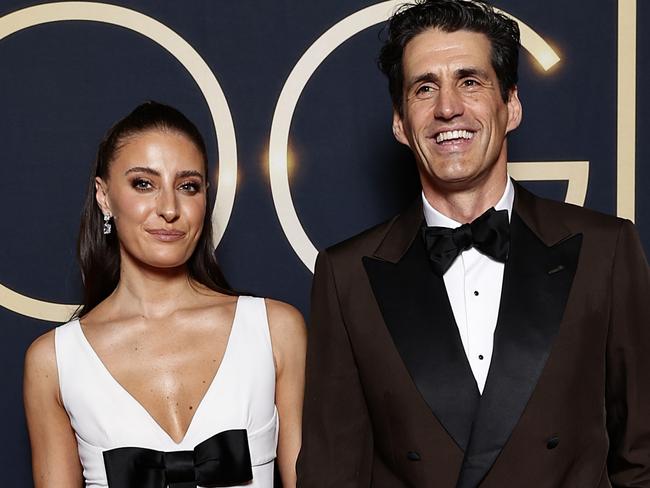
x=193 y=63
x=294 y=86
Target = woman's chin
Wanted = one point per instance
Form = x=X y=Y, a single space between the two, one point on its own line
x=164 y=264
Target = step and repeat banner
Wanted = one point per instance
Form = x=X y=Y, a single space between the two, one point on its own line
x=297 y=119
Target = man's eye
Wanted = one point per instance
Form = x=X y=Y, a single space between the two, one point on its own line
x=425 y=91
x=470 y=82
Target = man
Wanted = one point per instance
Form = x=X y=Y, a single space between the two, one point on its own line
x=511 y=352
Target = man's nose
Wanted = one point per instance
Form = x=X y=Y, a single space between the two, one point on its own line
x=449 y=104
x=167 y=205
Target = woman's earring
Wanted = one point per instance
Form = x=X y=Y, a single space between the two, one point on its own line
x=107 y=224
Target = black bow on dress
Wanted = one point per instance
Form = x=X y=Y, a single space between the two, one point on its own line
x=222 y=460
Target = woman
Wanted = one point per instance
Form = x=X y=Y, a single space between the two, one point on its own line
x=166 y=377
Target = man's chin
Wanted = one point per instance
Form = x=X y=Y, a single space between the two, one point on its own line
x=455 y=181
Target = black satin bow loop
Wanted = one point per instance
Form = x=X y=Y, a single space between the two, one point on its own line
x=222 y=460
x=489 y=234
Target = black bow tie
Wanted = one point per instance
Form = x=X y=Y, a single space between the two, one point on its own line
x=489 y=234
x=221 y=460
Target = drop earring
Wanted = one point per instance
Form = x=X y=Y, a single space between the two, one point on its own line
x=107 y=224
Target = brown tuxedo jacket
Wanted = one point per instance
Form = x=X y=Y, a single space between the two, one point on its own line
x=390 y=398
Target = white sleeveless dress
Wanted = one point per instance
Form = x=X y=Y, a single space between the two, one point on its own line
x=105 y=416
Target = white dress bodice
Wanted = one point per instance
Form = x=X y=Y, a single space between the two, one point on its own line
x=241 y=396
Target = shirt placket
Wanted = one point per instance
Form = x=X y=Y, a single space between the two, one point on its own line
x=475 y=318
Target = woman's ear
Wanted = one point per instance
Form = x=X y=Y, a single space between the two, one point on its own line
x=101 y=195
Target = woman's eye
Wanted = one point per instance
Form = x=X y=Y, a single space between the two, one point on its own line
x=191 y=187
x=141 y=184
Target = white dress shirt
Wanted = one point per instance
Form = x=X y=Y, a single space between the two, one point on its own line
x=473 y=284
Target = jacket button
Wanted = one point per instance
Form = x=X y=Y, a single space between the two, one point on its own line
x=552 y=442
x=413 y=456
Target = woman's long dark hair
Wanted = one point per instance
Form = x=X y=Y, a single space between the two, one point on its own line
x=99 y=254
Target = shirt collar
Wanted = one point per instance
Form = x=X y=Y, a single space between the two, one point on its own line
x=434 y=218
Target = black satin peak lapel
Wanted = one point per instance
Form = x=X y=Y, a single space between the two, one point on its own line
x=415 y=307
x=536 y=285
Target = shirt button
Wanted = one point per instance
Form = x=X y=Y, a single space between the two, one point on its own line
x=475 y=293
x=553 y=442
x=480 y=356
x=413 y=456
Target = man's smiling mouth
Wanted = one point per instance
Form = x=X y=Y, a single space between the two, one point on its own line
x=451 y=135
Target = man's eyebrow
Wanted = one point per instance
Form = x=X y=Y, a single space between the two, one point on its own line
x=142 y=169
x=428 y=76
x=465 y=72
x=459 y=73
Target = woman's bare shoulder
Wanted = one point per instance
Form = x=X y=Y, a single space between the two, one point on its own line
x=41 y=352
x=40 y=362
x=284 y=318
x=288 y=333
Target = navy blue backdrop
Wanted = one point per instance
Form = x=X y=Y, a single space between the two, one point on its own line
x=63 y=83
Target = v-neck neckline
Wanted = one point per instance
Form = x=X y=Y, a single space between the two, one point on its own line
x=139 y=405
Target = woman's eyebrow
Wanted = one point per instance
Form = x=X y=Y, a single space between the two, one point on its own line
x=180 y=174
x=189 y=172
x=142 y=169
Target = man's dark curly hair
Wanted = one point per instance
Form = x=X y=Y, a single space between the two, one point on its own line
x=414 y=18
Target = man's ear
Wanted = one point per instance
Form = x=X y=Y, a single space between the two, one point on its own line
x=101 y=195
x=514 y=110
x=398 y=128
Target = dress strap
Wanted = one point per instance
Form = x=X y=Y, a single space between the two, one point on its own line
x=253 y=324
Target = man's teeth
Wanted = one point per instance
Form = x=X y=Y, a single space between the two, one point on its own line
x=454 y=134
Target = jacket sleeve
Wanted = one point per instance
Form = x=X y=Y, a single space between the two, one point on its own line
x=628 y=365
x=337 y=438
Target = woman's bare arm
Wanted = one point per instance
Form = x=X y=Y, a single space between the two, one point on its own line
x=289 y=339
x=55 y=461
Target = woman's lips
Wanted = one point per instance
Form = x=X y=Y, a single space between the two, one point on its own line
x=166 y=235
